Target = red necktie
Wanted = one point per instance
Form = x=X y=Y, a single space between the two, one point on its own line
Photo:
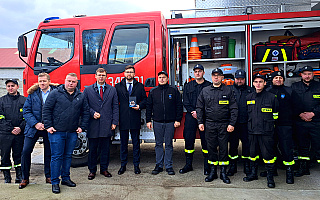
x=101 y=92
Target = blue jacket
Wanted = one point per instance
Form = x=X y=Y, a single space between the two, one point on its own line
x=32 y=109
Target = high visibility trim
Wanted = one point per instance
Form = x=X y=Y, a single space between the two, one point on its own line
x=6 y=167
x=189 y=151
x=303 y=158
x=316 y=96
x=266 y=109
x=251 y=102
x=213 y=163
x=18 y=165
x=224 y=102
x=288 y=163
x=223 y=162
x=275 y=115
x=318 y=161
x=266 y=55
x=245 y=157
x=21 y=109
x=204 y=151
x=233 y=157
x=284 y=54
x=270 y=161
x=254 y=159
x=2 y=117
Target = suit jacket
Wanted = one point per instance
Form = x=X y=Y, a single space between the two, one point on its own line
x=108 y=109
x=130 y=118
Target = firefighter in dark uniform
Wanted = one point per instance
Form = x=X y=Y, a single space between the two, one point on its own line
x=190 y=95
x=217 y=113
x=262 y=112
x=308 y=121
x=11 y=130
x=283 y=129
x=240 y=91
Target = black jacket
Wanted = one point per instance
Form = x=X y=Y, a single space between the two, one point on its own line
x=64 y=112
x=191 y=92
x=130 y=118
x=217 y=104
x=309 y=96
x=240 y=93
x=11 y=113
x=164 y=104
x=288 y=104
x=262 y=112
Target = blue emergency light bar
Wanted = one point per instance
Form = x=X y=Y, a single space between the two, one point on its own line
x=51 y=18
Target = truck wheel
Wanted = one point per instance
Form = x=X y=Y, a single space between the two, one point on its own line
x=81 y=151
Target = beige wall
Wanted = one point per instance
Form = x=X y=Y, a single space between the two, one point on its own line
x=6 y=74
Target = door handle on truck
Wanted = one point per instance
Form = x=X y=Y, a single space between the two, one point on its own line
x=206 y=31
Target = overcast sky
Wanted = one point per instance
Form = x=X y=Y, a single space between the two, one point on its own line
x=20 y=16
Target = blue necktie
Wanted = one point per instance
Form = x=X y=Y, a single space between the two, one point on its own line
x=130 y=89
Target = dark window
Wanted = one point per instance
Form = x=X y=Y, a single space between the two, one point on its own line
x=92 y=41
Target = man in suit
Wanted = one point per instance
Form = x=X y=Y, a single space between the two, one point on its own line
x=104 y=116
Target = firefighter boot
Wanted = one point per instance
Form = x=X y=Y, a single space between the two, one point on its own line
x=246 y=167
x=7 y=176
x=303 y=169
x=289 y=175
x=253 y=175
x=223 y=175
x=233 y=168
x=270 y=171
x=206 y=166
x=18 y=175
x=264 y=173
x=188 y=167
x=213 y=174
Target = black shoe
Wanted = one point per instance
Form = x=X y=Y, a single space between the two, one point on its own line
x=170 y=171
x=213 y=174
x=68 y=183
x=271 y=183
x=303 y=169
x=233 y=168
x=136 y=170
x=223 y=175
x=55 y=188
x=186 y=169
x=7 y=176
x=18 y=175
x=289 y=175
x=157 y=170
x=264 y=173
x=122 y=170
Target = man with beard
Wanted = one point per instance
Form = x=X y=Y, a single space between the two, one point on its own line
x=308 y=122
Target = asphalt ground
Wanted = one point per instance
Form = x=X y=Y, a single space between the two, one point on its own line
x=161 y=186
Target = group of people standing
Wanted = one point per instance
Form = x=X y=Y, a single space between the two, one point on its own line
x=263 y=119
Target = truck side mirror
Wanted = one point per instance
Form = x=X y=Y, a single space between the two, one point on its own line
x=22 y=46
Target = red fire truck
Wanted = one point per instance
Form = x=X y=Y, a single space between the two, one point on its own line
x=152 y=43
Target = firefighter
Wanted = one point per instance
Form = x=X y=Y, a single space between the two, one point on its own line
x=262 y=112
x=217 y=112
x=190 y=95
x=240 y=91
x=308 y=121
x=283 y=129
x=12 y=125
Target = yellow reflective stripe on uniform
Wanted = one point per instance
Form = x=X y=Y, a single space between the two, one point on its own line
x=21 y=109
x=251 y=102
x=224 y=102
x=233 y=157
x=288 y=163
x=2 y=117
x=270 y=161
x=318 y=161
x=266 y=55
x=223 y=162
x=189 y=151
x=316 y=96
x=303 y=158
x=284 y=55
x=254 y=159
x=275 y=115
x=245 y=157
x=204 y=151
x=19 y=165
x=213 y=163
x=6 y=167
x=266 y=109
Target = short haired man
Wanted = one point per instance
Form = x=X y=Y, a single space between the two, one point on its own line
x=262 y=111
x=191 y=92
x=217 y=113
x=65 y=114
x=240 y=91
x=104 y=116
x=132 y=99
x=32 y=112
x=12 y=125
x=308 y=121
x=164 y=106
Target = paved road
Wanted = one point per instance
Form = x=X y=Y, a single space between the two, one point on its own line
x=146 y=186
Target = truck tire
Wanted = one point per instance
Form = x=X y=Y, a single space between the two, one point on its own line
x=81 y=151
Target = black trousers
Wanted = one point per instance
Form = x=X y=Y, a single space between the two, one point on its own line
x=10 y=142
x=263 y=144
x=27 y=150
x=240 y=133
x=104 y=151
x=124 y=137
x=284 y=142
x=189 y=134
x=308 y=133
x=217 y=136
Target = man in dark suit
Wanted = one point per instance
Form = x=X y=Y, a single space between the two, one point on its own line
x=104 y=117
x=132 y=98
